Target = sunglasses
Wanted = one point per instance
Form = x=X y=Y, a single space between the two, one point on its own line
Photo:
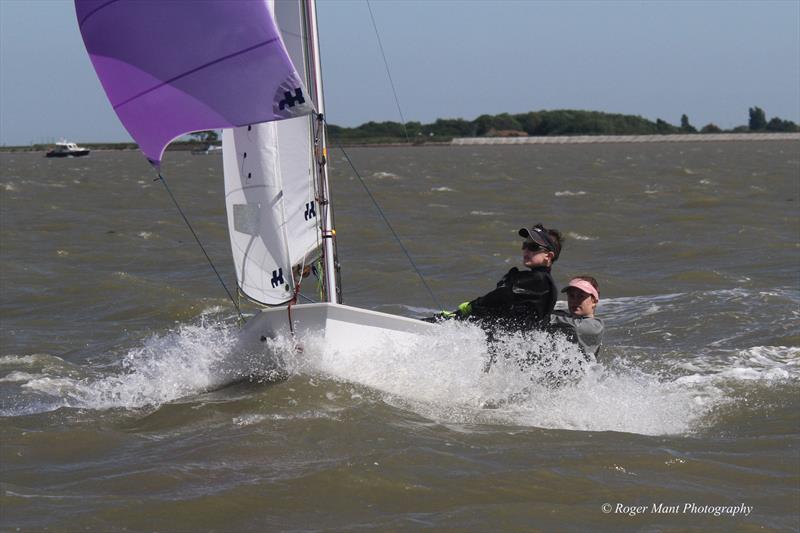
x=533 y=247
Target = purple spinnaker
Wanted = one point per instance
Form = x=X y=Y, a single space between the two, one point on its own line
x=176 y=66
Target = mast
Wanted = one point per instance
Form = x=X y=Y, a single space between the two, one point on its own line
x=328 y=232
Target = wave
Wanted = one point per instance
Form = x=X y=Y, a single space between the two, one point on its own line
x=579 y=237
x=443 y=377
x=645 y=382
x=385 y=175
x=189 y=360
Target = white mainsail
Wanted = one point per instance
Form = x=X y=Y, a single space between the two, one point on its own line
x=273 y=215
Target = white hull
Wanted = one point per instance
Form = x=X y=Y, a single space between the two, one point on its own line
x=340 y=327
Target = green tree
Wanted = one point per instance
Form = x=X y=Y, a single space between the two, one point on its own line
x=685 y=126
x=538 y=123
x=450 y=127
x=488 y=123
x=662 y=126
x=529 y=121
x=758 y=120
x=779 y=125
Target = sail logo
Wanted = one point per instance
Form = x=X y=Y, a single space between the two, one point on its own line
x=291 y=101
x=310 y=210
x=277 y=278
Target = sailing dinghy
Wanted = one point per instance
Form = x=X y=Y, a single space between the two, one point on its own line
x=253 y=70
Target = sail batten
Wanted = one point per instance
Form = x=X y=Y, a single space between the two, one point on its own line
x=192 y=71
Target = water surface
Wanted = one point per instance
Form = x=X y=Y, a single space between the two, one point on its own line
x=116 y=362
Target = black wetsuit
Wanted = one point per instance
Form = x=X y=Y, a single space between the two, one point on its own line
x=522 y=300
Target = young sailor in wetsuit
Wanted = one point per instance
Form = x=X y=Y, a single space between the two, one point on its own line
x=523 y=299
x=579 y=323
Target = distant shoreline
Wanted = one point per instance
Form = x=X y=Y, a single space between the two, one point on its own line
x=595 y=139
x=475 y=141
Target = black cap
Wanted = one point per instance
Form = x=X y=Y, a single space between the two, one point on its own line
x=539 y=235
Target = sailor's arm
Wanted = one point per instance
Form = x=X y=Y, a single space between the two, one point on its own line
x=495 y=298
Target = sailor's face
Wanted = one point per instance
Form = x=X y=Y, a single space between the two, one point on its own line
x=580 y=303
x=538 y=257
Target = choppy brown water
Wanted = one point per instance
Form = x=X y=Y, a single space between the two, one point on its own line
x=115 y=349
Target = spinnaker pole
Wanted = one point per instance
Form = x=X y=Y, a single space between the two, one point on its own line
x=328 y=231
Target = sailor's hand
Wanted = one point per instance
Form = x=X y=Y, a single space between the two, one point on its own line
x=463 y=311
x=444 y=315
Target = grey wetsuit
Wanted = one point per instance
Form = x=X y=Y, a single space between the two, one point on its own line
x=587 y=332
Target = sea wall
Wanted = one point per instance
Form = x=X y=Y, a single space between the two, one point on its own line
x=592 y=139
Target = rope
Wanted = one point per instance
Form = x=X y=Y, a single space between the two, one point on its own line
x=389 y=225
x=316 y=269
x=388 y=73
x=294 y=296
x=196 y=238
x=306 y=298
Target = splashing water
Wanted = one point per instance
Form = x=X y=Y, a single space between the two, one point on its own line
x=537 y=379
x=191 y=359
x=444 y=377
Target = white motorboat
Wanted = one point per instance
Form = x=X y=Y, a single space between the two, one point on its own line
x=208 y=149
x=67 y=149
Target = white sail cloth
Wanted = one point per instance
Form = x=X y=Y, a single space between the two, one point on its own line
x=270 y=188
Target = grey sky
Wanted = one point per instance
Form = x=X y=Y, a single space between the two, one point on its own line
x=710 y=60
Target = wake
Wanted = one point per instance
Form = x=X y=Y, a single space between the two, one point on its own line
x=441 y=376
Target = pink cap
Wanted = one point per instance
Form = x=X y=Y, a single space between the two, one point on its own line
x=583 y=285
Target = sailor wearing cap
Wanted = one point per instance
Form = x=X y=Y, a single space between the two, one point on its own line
x=523 y=298
x=579 y=322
